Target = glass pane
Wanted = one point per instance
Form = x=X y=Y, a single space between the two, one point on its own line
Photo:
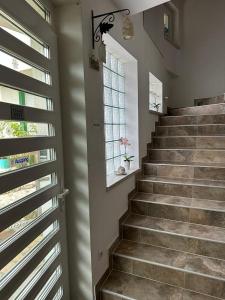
x=22 y=223
x=18 y=259
x=108 y=115
x=13 y=96
x=117 y=163
x=116 y=149
x=19 y=161
x=115 y=81
x=109 y=150
x=18 y=65
x=107 y=77
x=9 y=129
x=122 y=116
x=40 y=9
x=121 y=84
x=114 y=64
x=107 y=96
x=121 y=100
x=25 y=190
x=116 y=116
x=20 y=293
x=122 y=131
x=108 y=132
x=120 y=68
x=155 y=94
x=115 y=98
x=109 y=167
x=21 y=33
x=116 y=132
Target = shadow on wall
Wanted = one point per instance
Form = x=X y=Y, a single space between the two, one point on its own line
x=75 y=150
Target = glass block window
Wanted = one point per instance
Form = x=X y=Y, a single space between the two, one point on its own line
x=114 y=109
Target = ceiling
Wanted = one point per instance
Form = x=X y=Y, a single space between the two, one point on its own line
x=137 y=6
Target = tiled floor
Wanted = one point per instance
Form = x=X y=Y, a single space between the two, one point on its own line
x=173 y=244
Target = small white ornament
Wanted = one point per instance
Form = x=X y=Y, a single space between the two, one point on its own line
x=121 y=171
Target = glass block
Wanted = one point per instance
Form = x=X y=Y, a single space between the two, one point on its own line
x=122 y=116
x=114 y=64
x=108 y=133
x=107 y=77
x=115 y=81
x=121 y=84
x=115 y=98
x=116 y=149
x=122 y=131
x=109 y=151
x=117 y=163
x=108 y=115
x=116 y=132
x=107 y=96
x=120 y=68
x=116 y=116
x=110 y=167
x=108 y=60
x=121 y=100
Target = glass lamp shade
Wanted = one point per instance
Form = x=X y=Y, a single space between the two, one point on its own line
x=128 y=28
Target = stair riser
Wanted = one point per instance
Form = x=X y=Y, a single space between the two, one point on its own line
x=179 y=278
x=190 y=172
x=176 y=242
x=183 y=214
x=215 y=109
x=208 y=101
x=191 y=130
x=195 y=156
x=192 y=120
x=190 y=191
x=189 y=142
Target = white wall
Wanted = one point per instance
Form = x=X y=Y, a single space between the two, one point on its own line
x=202 y=59
x=83 y=126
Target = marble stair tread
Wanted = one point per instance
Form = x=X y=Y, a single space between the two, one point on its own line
x=120 y=286
x=192 y=120
x=174 y=259
x=185 y=181
x=210 y=109
x=190 y=230
x=187 y=164
x=204 y=204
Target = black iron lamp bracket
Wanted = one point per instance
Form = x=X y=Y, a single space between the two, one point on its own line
x=105 y=25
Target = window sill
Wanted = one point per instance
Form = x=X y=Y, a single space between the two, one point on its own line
x=114 y=180
x=156 y=112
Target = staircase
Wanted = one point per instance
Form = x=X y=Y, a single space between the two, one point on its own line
x=173 y=244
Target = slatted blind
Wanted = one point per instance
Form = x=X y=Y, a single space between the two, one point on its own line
x=32 y=237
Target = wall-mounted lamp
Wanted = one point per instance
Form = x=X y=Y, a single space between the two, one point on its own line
x=106 y=25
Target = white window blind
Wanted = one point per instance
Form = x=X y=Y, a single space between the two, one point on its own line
x=32 y=229
x=114 y=109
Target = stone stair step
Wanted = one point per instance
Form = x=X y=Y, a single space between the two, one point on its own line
x=191 y=130
x=187 y=155
x=198 y=273
x=192 y=188
x=127 y=286
x=184 y=170
x=192 y=120
x=198 y=211
x=194 y=238
x=212 y=109
x=194 y=142
x=211 y=100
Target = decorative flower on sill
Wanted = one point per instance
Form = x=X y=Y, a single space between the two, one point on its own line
x=156 y=106
x=125 y=142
